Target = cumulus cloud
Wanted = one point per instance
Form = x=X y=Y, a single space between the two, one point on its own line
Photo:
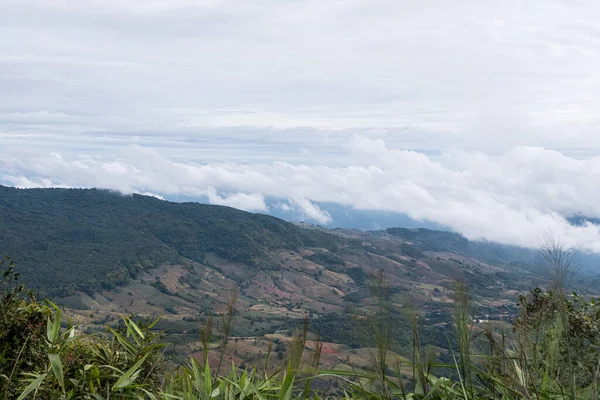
x=311 y=210
x=514 y=197
x=153 y=195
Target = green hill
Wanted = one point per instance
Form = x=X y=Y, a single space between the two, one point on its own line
x=95 y=239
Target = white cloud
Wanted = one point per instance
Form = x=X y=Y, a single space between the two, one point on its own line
x=153 y=195
x=513 y=198
x=243 y=201
x=311 y=211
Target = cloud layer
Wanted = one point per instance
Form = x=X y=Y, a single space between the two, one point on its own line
x=423 y=74
x=514 y=198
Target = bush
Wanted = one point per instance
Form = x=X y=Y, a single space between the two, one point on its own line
x=22 y=326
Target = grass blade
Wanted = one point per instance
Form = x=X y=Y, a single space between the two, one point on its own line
x=126 y=378
x=32 y=386
x=57 y=368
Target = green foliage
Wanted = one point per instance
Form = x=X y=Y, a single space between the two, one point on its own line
x=22 y=326
x=326 y=258
x=128 y=363
x=56 y=232
x=339 y=328
x=358 y=274
x=161 y=287
x=566 y=332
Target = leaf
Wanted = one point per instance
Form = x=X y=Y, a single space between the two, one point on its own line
x=150 y=395
x=137 y=329
x=49 y=330
x=57 y=368
x=32 y=386
x=127 y=377
x=130 y=331
x=53 y=328
x=258 y=394
x=438 y=384
x=287 y=385
x=124 y=342
x=153 y=323
x=197 y=376
x=207 y=376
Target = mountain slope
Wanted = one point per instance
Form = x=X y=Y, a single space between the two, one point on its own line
x=88 y=239
x=100 y=255
x=433 y=240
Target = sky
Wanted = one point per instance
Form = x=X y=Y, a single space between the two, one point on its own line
x=479 y=116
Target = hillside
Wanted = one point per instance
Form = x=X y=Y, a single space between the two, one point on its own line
x=94 y=239
x=433 y=240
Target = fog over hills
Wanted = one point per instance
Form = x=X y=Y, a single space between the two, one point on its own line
x=375 y=106
x=513 y=198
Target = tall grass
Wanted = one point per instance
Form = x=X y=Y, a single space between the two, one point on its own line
x=532 y=363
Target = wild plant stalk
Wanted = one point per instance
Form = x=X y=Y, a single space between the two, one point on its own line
x=314 y=365
x=381 y=327
x=418 y=365
x=562 y=265
x=227 y=320
x=297 y=346
x=206 y=332
x=294 y=360
x=463 y=330
x=400 y=383
x=267 y=359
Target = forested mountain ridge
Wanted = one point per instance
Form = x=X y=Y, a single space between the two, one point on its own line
x=94 y=239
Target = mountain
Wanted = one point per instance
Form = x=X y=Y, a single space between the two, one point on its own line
x=580 y=220
x=435 y=240
x=89 y=239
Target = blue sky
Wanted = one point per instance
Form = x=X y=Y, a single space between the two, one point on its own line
x=480 y=116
